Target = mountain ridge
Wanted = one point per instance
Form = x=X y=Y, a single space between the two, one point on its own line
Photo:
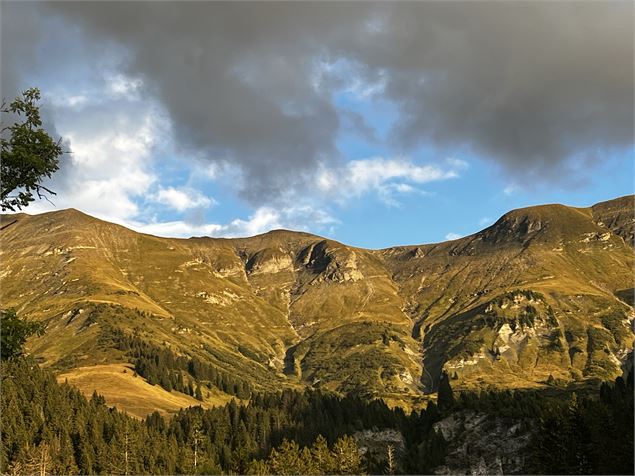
x=535 y=297
x=606 y=206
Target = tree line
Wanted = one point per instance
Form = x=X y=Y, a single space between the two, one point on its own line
x=161 y=366
x=51 y=428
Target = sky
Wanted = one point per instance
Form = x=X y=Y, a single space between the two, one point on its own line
x=375 y=124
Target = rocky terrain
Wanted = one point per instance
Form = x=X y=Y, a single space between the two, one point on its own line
x=481 y=444
x=541 y=298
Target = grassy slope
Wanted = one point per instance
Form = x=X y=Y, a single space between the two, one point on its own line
x=117 y=383
x=561 y=252
x=292 y=309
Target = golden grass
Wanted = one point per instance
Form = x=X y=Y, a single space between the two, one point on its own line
x=135 y=396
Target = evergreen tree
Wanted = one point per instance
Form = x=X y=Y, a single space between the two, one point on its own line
x=52 y=426
x=390 y=460
x=285 y=459
x=445 y=396
x=258 y=467
x=195 y=437
x=347 y=458
x=322 y=457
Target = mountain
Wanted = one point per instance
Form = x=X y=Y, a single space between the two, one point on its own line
x=543 y=297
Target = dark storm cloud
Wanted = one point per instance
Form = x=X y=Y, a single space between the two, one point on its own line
x=236 y=79
x=526 y=84
x=20 y=31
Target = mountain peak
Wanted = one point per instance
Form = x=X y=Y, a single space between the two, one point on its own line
x=551 y=222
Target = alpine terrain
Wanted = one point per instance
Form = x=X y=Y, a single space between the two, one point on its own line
x=542 y=298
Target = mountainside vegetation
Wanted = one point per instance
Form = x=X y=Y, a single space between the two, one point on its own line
x=541 y=299
x=51 y=428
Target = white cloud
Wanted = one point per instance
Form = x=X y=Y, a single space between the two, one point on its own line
x=457 y=164
x=112 y=171
x=484 y=221
x=348 y=76
x=404 y=188
x=110 y=164
x=182 y=199
x=262 y=220
x=383 y=176
x=453 y=236
x=363 y=89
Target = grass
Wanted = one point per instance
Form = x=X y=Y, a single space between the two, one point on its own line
x=120 y=388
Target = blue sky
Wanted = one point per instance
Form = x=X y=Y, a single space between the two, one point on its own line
x=355 y=125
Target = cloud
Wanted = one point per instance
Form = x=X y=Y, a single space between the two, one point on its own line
x=120 y=85
x=453 y=236
x=182 y=199
x=528 y=85
x=383 y=176
x=247 y=100
x=65 y=100
x=262 y=220
x=111 y=166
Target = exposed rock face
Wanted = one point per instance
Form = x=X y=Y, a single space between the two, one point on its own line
x=513 y=227
x=269 y=261
x=617 y=216
x=332 y=262
x=343 y=268
x=375 y=444
x=480 y=444
x=518 y=338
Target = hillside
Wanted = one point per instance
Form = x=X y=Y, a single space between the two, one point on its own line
x=542 y=297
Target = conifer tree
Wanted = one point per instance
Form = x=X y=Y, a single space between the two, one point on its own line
x=322 y=457
x=196 y=434
x=347 y=458
x=258 y=468
x=285 y=460
x=445 y=397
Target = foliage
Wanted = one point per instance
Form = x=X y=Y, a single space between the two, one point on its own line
x=161 y=366
x=342 y=458
x=361 y=351
x=588 y=435
x=14 y=331
x=445 y=395
x=29 y=154
x=51 y=426
x=89 y=437
x=572 y=434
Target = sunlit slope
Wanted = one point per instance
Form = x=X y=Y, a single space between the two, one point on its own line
x=83 y=276
x=540 y=297
x=118 y=384
x=562 y=262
